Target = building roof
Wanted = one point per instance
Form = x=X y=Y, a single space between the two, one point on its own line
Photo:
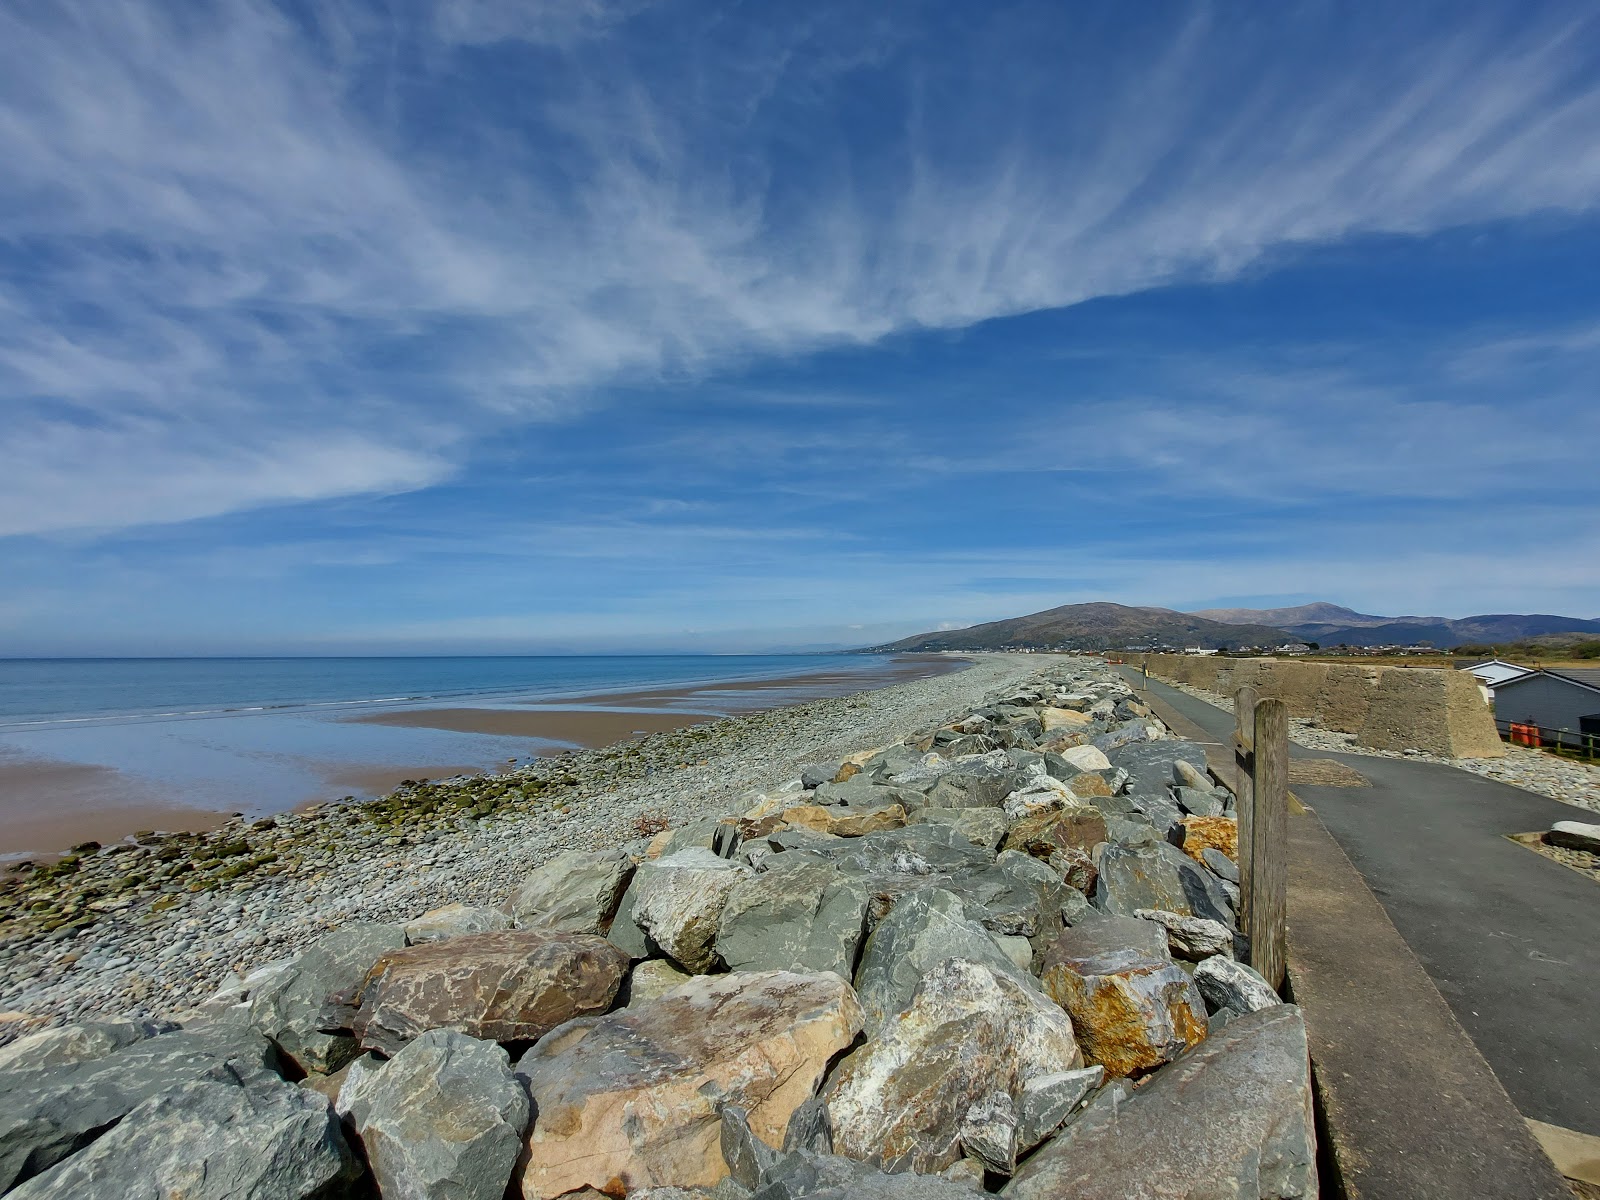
x=1584 y=677
x=1589 y=677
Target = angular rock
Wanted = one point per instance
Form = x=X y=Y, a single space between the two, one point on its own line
x=747 y=1156
x=808 y=1175
x=211 y=1139
x=1186 y=774
x=515 y=985
x=844 y=821
x=943 y=1076
x=442 y=1120
x=1200 y=834
x=983 y=827
x=1054 y=719
x=1080 y=828
x=48 y=1112
x=976 y=783
x=1039 y=794
x=82 y=1042
x=652 y=978
x=288 y=1007
x=1048 y=1100
x=575 y=892
x=814 y=776
x=453 y=920
x=633 y=1099
x=925 y=929
x=1198 y=803
x=679 y=901
x=1191 y=938
x=1019 y=896
x=1085 y=758
x=1230 y=1120
x=1133 y=1008
x=1159 y=876
x=1151 y=765
x=1220 y=865
x=1230 y=986
x=804 y=916
x=862 y=792
x=1161 y=812
x=1575 y=835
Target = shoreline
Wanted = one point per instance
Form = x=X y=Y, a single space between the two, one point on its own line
x=50 y=805
x=154 y=928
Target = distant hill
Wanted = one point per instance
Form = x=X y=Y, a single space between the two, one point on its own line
x=1331 y=625
x=1096 y=627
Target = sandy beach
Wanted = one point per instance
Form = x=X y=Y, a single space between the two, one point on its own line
x=51 y=804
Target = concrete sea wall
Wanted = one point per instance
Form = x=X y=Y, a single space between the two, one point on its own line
x=1387 y=708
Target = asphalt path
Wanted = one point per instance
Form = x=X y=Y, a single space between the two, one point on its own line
x=1510 y=938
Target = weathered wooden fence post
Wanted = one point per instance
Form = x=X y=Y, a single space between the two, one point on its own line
x=1261 y=733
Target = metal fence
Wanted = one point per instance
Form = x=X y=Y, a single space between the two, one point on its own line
x=1522 y=733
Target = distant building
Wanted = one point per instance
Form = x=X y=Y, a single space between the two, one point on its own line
x=1564 y=703
x=1293 y=648
x=1197 y=650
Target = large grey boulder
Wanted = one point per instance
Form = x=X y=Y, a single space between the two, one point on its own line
x=984 y=781
x=48 y=1112
x=1150 y=765
x=575 y=892
x=858 y=792
x=82 y=1042
x=983 y=827
x=287 y=1007
x=1048 y=1100
x=1191 y=938
x=799 y=916
x=940 y=1080
x=442 y=1120
x=1133 y=1008
x=222 y=1138
x=1230 y=1120
x=925 y=930
x=1159 y=876
x=1019 y=896
x=1232 y=987
x=679 y=901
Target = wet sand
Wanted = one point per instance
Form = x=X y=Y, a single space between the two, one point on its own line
x=591 y=721
x=82 y=804
x=380 y=780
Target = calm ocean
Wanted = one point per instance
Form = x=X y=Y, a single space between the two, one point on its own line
x=50 y=691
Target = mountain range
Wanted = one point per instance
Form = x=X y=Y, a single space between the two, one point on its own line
x=1331 y=625
x=1103 y=626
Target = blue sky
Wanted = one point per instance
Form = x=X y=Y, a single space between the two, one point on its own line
x=463 y=325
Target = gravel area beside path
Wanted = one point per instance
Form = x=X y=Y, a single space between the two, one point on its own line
x=1532 y=770
x=152 y=929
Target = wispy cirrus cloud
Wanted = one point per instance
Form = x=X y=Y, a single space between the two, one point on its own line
x=396 y=231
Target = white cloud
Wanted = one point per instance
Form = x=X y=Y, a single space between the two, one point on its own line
x=235 y=218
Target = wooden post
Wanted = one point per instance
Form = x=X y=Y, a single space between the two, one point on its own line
x=1269 y=842
x=1244 y=743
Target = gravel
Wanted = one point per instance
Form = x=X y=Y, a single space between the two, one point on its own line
x=1532 y=770
x=154 y=928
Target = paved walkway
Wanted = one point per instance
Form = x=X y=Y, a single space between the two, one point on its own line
x=1510 y=938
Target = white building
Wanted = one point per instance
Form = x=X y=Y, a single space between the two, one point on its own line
x=1493 y=673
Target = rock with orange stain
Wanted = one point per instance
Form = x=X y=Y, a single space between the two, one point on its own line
x=1132 y=1007
x=632 y=1099
x=1215 y=833
x=844 y=822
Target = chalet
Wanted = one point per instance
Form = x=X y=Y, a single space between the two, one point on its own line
x=1561 y=701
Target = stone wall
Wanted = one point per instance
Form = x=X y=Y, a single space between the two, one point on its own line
x=1386 y=707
